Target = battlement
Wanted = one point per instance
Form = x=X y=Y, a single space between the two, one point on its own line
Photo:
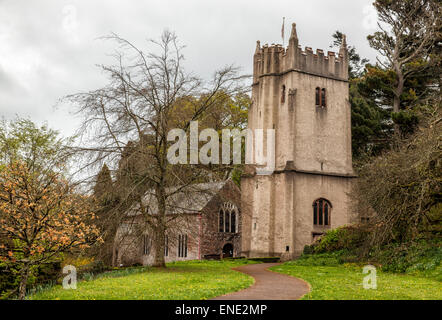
x=277 y=60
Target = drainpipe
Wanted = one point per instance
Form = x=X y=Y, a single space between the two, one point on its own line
x=199 y=238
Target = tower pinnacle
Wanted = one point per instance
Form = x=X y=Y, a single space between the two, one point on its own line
x=343 y=48
x=258 y=47
x=293 y=34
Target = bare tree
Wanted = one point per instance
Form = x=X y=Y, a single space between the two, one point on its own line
x=136 y=111
x=409 y=31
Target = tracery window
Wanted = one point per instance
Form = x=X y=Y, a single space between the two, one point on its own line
x=228 y=218
x=321 y=212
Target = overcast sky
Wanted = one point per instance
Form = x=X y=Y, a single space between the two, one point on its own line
x=50 y=48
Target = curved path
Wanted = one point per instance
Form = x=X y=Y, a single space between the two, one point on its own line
x=268 y=285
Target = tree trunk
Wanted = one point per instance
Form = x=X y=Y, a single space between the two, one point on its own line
x=23 y=282
x=396 y=103
x=159 y=260
x=160 y=232
x=396 y=106
x=397 y=97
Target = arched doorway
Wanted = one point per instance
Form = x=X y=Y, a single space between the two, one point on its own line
x=228 y=250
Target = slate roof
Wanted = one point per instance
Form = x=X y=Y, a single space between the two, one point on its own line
x=190 y=199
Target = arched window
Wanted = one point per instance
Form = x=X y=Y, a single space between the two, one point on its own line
x=323 y=98
x=321 y=212
x=228 y=218
x=283 y=94
x=318 y=97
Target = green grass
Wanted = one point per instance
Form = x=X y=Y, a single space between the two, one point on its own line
x=344 y=282
x=179 y=281
x=197 y=280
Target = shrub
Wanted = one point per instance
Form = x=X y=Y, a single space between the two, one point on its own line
x=418 y=257
x=348 y=237
x=308 y=249
x=8 y=281
x=40 y=275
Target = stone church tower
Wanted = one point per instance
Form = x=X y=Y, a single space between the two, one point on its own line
x=304 y=96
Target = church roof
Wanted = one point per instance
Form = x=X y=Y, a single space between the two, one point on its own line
x=189 y=199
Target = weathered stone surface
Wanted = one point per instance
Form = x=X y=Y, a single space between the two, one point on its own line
x=313 y=148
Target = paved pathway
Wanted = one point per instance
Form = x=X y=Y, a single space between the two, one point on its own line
x=268 y=285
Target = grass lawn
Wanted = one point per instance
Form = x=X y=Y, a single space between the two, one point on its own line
x=344 y=282
x=179 y=281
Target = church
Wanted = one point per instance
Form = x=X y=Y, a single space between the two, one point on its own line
x=205 y=223
x=304 y=96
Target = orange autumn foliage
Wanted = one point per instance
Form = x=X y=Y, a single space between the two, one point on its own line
x=41 y=215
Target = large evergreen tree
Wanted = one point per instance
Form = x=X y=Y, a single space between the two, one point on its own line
x=408 y=68
x=370 y=128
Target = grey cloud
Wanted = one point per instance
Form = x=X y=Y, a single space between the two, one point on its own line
x=50 y=52
x=6 y=82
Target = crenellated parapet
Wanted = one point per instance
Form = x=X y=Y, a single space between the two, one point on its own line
x=277 y=60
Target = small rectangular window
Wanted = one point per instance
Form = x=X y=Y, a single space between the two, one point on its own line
x=315 y=236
